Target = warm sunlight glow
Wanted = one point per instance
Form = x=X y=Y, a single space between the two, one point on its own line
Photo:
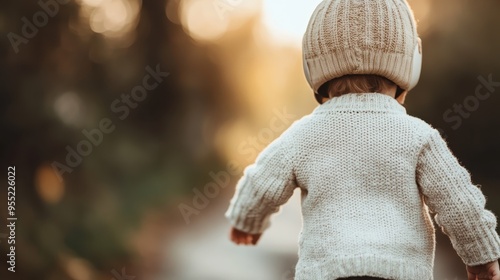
x=49 y=187
x=92 y=3
x=421 y=9
x=287 y=19
x=209 y=20
x=202 y=22
x=113 y=18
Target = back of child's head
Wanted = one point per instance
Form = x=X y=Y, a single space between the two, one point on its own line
x=361 y=46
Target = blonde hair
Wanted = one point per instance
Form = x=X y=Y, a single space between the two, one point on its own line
x=356 y=84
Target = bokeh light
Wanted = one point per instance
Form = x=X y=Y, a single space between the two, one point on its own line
x=209 y=20
x=287 y=20
x=69 y=108
x=113 y=18
x=47 y=183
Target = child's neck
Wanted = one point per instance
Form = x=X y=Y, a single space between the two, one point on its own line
x=392 y=93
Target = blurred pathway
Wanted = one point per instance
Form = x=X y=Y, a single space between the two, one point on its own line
x=202 y=251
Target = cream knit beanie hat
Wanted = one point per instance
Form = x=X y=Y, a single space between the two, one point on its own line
x=362 y=37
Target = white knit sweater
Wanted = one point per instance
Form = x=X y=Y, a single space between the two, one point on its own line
x=370 y=175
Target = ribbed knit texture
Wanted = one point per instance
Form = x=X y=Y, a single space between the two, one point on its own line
x=365 y=169
x=360 y=37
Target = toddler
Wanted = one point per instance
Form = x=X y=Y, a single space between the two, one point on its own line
x=370 y=175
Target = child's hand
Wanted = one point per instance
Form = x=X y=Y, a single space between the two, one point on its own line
x=489 y=271
x=240 y=237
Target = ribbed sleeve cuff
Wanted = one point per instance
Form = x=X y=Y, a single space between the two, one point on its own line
x=247 y=223
x=484 y=249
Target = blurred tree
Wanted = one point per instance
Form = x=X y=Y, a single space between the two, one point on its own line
x=64 y=80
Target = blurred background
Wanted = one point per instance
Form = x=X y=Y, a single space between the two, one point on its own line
x=130 y=121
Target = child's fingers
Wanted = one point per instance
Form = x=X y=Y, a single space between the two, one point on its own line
x=234 y=239
x=234 y=236
x=255 y=239
x=248 y=239
x=243 y=239
x=240 y=237
x=496 y=270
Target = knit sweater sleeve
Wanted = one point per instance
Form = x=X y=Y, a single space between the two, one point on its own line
x=265 y=186
x=459 y=206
